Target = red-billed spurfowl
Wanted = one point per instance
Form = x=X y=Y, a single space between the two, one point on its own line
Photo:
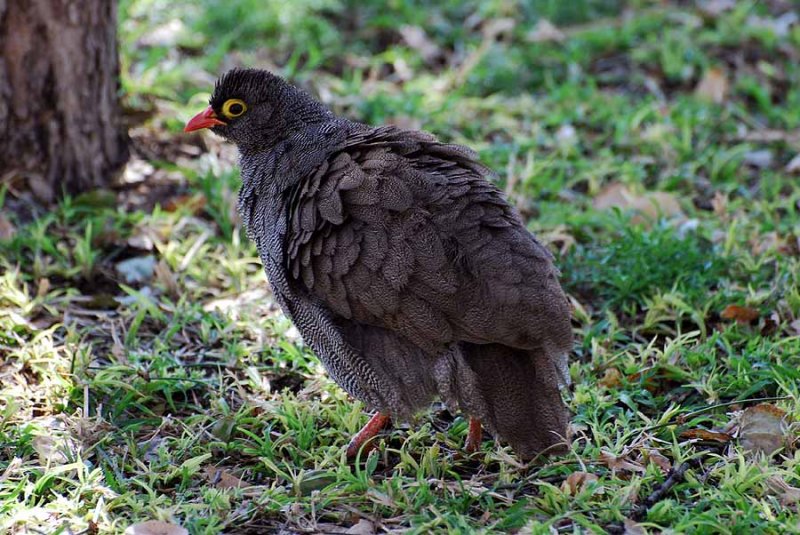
x=402 y=266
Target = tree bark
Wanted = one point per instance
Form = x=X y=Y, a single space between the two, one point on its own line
x=60 y=120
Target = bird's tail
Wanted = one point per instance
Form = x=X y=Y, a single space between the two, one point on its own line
x=516 y=394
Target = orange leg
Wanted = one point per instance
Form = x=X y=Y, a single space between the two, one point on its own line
x=373 y=427
x=474 y=436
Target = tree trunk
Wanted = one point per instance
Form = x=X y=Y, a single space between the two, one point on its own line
x=60 y=121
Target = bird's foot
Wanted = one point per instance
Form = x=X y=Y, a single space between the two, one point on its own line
x=367 y=433
x=474 y=436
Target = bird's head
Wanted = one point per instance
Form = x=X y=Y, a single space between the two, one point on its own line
x=256 y=109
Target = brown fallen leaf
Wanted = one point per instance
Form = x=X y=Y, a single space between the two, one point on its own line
x=223 y=479
x=655 y=457
x=633 y=528
x=54 y=441
x=793 y=167
x=155 y=527
x=193 y=203
x=612 y=378
x=714 y=8
x=7 y=228
x=771 y=135
x=362 y=527
x=713 y=86
x=577 y=482
x=741 y=314
x=416 y=38
x=762 y=429
x=720 y=205
x=705 y=435
x=795 y=325
x=649 y=206
x=166 y=277
x=545 y=32
x=788 y=244
x=42 y=287
x=620 y=463
x=787 y=494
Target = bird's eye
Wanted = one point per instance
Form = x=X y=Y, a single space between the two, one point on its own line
x=233 y=107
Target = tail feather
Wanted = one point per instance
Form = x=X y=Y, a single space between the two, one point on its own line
x=515 y=393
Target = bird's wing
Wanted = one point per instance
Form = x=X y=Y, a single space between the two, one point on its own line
x=404 y=233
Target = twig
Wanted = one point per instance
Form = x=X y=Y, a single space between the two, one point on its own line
x=639 y=512
x=683 y=417
x=676 y=476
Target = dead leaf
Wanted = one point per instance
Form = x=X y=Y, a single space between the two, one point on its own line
x=155 y=527
x=714 y=8
x=705 y=435
x=763 y=243
x=796 y=326
x=416 y=38
x=192 y=203
x=381 y=497
x=577 y=482
x=787 y=494
x=362 y=527
x=12 y=468
x=720 y=205
x=786 y=245
x=762 y=429
x=655 y=457
x=545 y=32
x=141 y=241
x=137 y=170
x=649 y=206
x=497 y=27
x=7 y=228
x=223 y=479
x=165 y=276
x=53 y=442
x=49 y=450
x=742 y=314
x=42 y=287
x=793 y=166
x=771 y=135
x=611 y=378
x=620 y=463
x=713 y=86
x=633 y=528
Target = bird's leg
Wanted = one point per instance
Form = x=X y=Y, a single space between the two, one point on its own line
x=373 y=427
x=474 y=436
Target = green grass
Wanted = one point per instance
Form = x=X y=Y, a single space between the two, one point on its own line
x=125 y=401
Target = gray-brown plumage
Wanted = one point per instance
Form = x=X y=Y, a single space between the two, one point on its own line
x=401 y=265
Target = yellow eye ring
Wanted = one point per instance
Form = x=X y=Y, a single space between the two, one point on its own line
x=233 y=108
